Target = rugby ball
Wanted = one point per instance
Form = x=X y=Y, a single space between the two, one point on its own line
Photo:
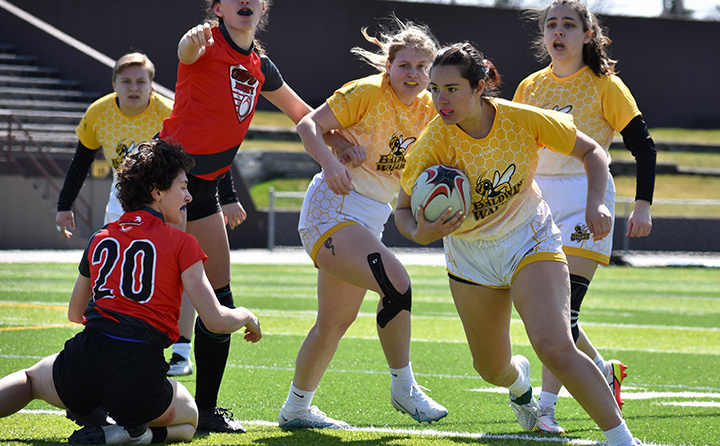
x=438 y=188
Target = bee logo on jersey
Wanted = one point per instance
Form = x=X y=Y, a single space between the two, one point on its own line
x=122 y=151
x=395 y=160
x=582 y=233
x=566 y=109
x=244 y=88
x=493 y=193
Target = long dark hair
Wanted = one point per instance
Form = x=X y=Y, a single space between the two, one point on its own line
x=472 y=64
x=594 y=52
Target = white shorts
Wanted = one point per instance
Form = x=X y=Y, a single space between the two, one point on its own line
x=325 y=212
x=113 y=210
x=567 y=196
x=494 y=263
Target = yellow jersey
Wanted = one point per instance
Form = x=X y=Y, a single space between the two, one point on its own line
x=105 y=125
x=501 y=166
x=373 y=117
x=600 y=105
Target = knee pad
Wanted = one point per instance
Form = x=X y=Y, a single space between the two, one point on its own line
x=225 y=297
x=393 y=302
x=578 y=288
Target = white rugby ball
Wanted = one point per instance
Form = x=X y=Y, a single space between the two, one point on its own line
x=438 y=188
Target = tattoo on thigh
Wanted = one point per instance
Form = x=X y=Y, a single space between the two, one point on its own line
x=329 y=245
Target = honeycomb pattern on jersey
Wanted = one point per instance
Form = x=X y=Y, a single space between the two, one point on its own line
x=374 y=118
x=581 y=95
x=500 y=166
x=104 y=125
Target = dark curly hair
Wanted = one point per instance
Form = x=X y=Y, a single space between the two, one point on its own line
x=472 y=64
x=594 y=52
x=155 y=164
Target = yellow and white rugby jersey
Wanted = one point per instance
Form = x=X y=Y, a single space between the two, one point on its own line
x=104 y=125
x=500 y=167
x=599 y=104
x=373 y=117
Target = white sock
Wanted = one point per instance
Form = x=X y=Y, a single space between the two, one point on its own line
x=299 y=400
x=619 y=436
x=402 y=378
x=182 y=349
x=547 y=399
x=600 y=362
x=521 y=384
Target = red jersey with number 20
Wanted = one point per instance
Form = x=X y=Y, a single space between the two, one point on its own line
x=134 y=265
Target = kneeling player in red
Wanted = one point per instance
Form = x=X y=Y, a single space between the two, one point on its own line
x=128 y=294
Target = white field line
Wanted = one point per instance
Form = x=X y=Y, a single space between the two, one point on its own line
x=421 y=432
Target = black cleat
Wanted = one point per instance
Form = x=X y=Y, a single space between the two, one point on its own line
x=219 y=420
x=98 y=417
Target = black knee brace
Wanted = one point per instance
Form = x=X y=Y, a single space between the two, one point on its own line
x=225 y=297
x=578 y=288
x=393 y=302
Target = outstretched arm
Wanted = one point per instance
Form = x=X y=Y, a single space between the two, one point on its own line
x=216 y=317
x=193 y=43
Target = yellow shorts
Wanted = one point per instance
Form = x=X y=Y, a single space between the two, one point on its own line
x=567 y=196
x=324 y=213
x=494 y=263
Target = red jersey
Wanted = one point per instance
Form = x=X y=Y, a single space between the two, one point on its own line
x=215 y=100
x=134 y=265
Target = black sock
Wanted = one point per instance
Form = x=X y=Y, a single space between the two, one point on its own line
x=159 y=434
x=211 y=353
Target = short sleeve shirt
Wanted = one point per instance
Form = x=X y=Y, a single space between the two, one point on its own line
x=374 y=118
x=600 y=105
x=501 y=166
x=135 y=266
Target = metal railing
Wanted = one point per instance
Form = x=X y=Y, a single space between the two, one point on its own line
x=271 y=212
x=14 y=126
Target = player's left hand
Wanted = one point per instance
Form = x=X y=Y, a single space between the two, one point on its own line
x=234 y=214
x=353 y=155
x=599 y=221
x=640 y=223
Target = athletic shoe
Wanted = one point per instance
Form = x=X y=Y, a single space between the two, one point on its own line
x=313 y=418
x=179 y=366
x=525 y=406
x=98 y=417
x=615 y=378
x=526 y=410
x=112 y=434
x=547 y=424
x=218 y=420
x=418 y=405
x=637 y=442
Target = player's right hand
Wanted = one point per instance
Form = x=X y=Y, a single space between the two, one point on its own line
x=252 y=328
x=64 y=222
x=200 y=35
x=339 y=178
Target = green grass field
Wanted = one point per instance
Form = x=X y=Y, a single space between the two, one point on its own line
x=662 y=322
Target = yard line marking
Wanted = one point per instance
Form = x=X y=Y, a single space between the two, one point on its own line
x=421 y=432
x=38 y=327
x=33 y=305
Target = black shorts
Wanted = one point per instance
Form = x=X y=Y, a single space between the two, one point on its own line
x=205 y=200
x=126 y=378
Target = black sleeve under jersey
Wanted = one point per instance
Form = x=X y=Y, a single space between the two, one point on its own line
x=75 y=177
x=638 y=141
x=273 y=78
x=226 y=189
